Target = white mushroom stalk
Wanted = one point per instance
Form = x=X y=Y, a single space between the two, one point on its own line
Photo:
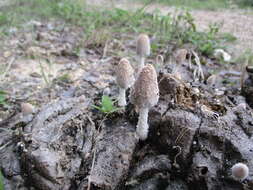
x=142 y=50
x=125 y=79
x=122 y=97
x=145 y=95
x=142 y=126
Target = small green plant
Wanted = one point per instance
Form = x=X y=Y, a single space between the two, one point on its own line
x=106 y=105
x=1 y=181
x=44 y=75
x=195 y=4
x=3 y=97
x=244 y=3
x=64 y=78
x=3 y=19
x=101 y=25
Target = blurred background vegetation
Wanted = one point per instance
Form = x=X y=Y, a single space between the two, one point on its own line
x=205 y=4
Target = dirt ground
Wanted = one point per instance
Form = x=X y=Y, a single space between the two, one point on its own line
x=198 y=130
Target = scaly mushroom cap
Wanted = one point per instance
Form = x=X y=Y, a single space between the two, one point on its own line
x=143 y=45
x=145 y=93
x=125 y=74
x=240 y=171
x=26 y=108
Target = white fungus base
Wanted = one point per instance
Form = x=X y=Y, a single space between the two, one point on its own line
x=142 y=126
x=122 y=97
x=240 y=171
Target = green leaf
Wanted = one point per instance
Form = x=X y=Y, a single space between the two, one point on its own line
x=106 y=106
x=98 y=108
x=107 y=103
x=1 y=181
x=2 y=98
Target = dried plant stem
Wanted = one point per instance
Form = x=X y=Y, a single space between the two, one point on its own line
x=8 y=67
x=243 y=72
x=43 y=73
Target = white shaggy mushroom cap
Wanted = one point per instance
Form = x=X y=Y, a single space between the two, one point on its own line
x=143 y=45
x=240 y=171
x=125 y=79
x=145 y=93
x=125 y=74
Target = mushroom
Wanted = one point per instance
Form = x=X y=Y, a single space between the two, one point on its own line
x=125 y=79
x=249 y=70
x=240 y=171
x=180 y=58
x=180 y=55
x=26 y=108
x=142 y=49
x=144 y=95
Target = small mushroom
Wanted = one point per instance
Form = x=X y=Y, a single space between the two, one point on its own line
x=180 y=58
x=249 y=70
x=26 y=108
x=142 y=49
x=144 y=95
x=180 y=55
x=125 y=79
x=240 y=171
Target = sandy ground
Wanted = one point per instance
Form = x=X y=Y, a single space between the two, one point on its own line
x=234 y=21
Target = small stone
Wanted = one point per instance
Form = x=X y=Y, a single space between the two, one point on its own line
x=7 y=54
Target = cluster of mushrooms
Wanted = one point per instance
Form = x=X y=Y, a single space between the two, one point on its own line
x=144 y=93
x=144 y=86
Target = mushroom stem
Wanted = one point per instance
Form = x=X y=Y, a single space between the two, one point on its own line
x=122 y=97
x=142 y=126
x=141 y=63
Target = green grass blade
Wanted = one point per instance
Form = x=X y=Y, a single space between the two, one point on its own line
x=1 y=181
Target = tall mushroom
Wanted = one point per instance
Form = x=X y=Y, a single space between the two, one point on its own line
x=144 y=95
x=142 y=49
x=125 y=79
